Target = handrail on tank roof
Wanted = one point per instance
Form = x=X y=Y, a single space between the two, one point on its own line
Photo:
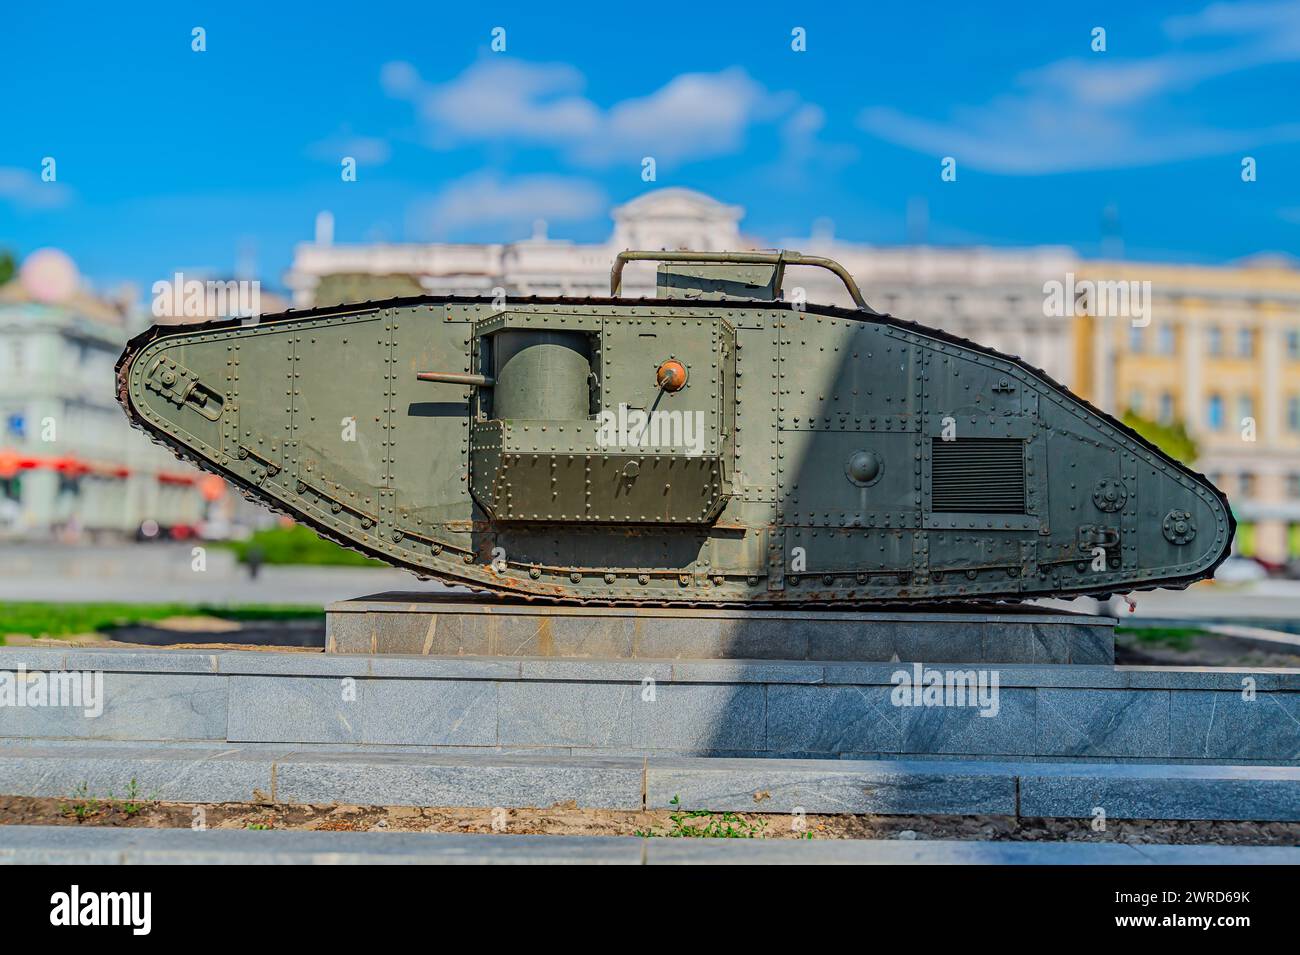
x=779 y=259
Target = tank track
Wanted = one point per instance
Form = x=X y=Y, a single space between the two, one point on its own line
x=158 y=437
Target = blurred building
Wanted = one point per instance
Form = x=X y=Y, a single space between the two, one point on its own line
x=1221 y=355
x=69 y=461
x=992 y=296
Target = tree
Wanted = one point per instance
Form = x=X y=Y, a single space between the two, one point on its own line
x=7 y=266
x=1171 y=438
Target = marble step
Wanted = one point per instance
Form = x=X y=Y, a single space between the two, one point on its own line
x=356 y=776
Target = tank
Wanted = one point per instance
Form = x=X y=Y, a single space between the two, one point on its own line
x=715 y=445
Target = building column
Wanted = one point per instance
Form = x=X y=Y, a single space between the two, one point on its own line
x=1193 y=364
x=1271 y=402
x=1103 y=365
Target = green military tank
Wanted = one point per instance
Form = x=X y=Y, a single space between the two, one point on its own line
x=714 y=445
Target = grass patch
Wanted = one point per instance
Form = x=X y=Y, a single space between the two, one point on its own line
x=702 y=824
x=1178 y=638
x=83 y=806
x=61 y=620
x=297 y=545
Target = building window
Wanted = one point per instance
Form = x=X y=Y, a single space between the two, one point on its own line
x=1293 y=413
x=1214 y=413
x=1136 y=400
x=1245 y=408
x=1214 y=340
x=1166 y=408
x=1166 y=340
x=1135 y=339
x=1293 y=485
x=1293 y=344
x=1246 y=342
x=1247 y=484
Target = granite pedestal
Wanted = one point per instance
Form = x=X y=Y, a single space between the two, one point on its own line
x=609 y=732
x=445 y=625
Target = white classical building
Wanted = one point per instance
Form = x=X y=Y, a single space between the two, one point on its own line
x=992 y=296
x=70 y=462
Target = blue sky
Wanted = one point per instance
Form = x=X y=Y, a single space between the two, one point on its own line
x=171 y=159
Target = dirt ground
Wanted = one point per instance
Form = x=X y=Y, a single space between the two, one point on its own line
x=569 y=820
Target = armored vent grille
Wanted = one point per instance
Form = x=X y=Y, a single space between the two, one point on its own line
x=978 y=476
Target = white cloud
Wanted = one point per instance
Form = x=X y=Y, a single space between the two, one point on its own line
x=803 y=152
x=498 y=99
x=1100 y=112
x=488 y=200
x=693 y=116
x=366 y=150
x=26 y=190
x=1269 y=17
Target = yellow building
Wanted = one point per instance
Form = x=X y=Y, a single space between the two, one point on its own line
x=1217 y=349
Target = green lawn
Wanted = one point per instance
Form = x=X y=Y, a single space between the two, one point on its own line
x=1179 y=638
x=61 y=620
x=298 y=545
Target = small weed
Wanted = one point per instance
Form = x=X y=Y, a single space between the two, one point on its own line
x=702 y=824
x=133 y=804
x=83 y=804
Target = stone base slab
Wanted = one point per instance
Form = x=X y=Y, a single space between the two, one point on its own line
x=636 y=708
x=442 y=625
x=84 y=845
x=877 y=787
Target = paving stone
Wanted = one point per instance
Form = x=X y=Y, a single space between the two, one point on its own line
x=828 y=786
x=87 y=845
x=135 y=706
x=746 y=671
x=429 y=712
x=448 y=668
x=892 y=852
x=140 y=661
x=169 y=773
x=619 y=671
x=1163 y=792
x=291 y=709
x=566 y=714
x=1208 y=724
x=833 y=719
x=489 y=781
x=263 y=663
x=1103 y=722
x=98 y=845
x=951 y=730
x=704 y=716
